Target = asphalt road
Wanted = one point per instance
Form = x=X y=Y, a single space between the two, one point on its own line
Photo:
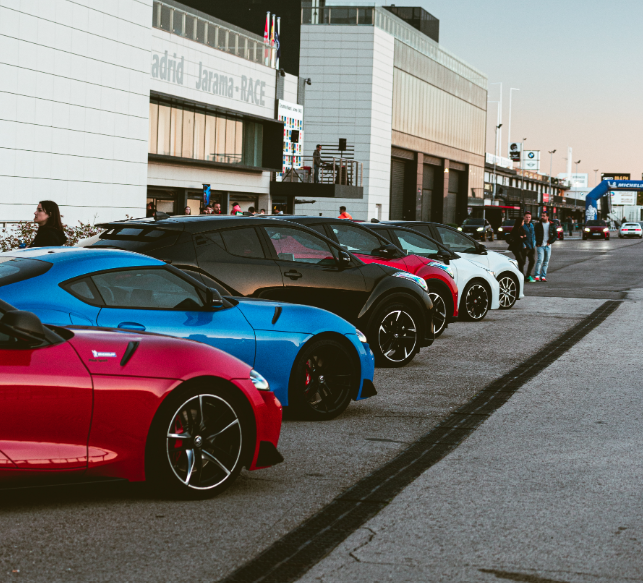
x=116 y=532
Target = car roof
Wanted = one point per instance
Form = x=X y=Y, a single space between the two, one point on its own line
x=67 y=255
x=191 y=224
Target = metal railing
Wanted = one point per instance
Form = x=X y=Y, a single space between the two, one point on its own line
x=208 y=30
x=332 y=171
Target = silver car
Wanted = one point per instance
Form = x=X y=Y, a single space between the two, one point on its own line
x=630 y=230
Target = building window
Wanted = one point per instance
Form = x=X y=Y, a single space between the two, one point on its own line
x=185 y=132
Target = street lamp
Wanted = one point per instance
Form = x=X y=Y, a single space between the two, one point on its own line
x=495 y=176
x=509 y=128
x=577 y=163
x=499 y=112
x=595 y=172
x=551 y=159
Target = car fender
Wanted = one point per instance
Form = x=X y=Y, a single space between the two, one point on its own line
x=390 y=285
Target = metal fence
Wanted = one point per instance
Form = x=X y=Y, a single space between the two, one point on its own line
x=332 y=171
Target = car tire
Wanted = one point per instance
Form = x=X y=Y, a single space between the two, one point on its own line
x=508 y=291
x=475 y=302
x=323 y=380
x=218 y=441
x=397 y=315
x=440 y=310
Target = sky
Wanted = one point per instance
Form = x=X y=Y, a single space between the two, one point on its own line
x=578 y=67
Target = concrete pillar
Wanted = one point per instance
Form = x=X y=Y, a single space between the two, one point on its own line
x=445 y=189
x=419 y=180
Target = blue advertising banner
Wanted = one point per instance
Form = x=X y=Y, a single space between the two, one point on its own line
x=591 y=200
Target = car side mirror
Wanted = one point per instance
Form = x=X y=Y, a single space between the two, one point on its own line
x=214 y=298
x=24 y=326
x=446 y=257
x=483 y=249
x=387 y=251
x=344 y=259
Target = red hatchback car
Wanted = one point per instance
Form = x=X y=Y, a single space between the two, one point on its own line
x=371 y=248
x=594 y=229
x=96 y=403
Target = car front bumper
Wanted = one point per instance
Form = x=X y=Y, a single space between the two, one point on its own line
x=367 y=368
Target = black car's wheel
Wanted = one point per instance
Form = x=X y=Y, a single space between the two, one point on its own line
x=508 y=291
x=197 y=443
x=475 y=302
x=394 y=332
x=323 y=380
x=439 y=311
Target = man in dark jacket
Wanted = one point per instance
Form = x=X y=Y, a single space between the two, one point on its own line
x=530 y=245
x=545 y=235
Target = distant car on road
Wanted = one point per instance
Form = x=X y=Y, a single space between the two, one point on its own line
x=506 y=228
x=479 y=229
x=596 y=228
x=81 y=404
x=560 y=231
x=630 y=230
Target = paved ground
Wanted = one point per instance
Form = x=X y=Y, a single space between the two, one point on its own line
x=116 y=532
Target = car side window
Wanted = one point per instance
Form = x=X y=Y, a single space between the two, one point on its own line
x=295 y=245
x=455 y=241
x=356 y=240
x=416 y=244
x=84 y=290
x=242 y=242
x=147 y=288
x=319 y=228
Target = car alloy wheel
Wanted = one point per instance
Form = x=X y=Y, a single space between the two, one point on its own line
x=324 y=378
x=476 y=302
x=508 y=292
x=204 y=442
x=439 y=312
x=397 y=336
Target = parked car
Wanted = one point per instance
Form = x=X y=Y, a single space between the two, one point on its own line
x=370 y=247
x=560 y=231
x=82 y=404
x=596 y=228
x=480 y=289
x=479 y=229
x=280 y=261
x=315 y=361
x=630 y=230
x=505 y=228
x=510 y=279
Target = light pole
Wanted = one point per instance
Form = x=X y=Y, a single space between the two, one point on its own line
x=577 y=163
x=595 y=178
x=499 y=113
x=551 y=160
x=495 y=176
x=509 y=128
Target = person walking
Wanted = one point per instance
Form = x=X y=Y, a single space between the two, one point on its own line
x=50 y=227
x=570 y=226
x=529 y=245
x=317 y=162
x=343 y=214
x=516 y=240
x=545 y=236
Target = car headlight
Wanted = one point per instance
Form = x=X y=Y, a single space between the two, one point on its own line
x=605 y=230
x=559 y=229
x=479 y=229
x=500 y=229
x=415 y=278
x=443 y=267
x=361 y=336
x=587 y=230
x=514 y=262
x=258 y=381
x=459 y=228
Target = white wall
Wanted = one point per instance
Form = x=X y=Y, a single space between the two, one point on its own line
x=351 y=96
x=74 y=95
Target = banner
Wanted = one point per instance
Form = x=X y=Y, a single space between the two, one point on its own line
x=515 y=149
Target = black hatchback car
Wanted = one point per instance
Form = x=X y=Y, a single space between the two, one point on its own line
x=479 y=229
x=278 y=260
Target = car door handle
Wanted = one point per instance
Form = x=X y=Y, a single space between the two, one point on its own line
x=132 y=326
x=292 y=274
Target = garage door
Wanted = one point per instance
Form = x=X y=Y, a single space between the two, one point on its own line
x=397 y=190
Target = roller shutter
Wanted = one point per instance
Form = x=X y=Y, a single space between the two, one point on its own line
x=397 y=190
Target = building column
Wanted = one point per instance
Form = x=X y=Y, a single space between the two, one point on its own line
x=445 y=189
x=419 y=181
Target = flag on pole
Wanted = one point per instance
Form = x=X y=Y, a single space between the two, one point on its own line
x=277 y=40
x=272 y=42
x=266 y=39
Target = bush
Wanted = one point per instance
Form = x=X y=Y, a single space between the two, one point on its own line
x=12 y=235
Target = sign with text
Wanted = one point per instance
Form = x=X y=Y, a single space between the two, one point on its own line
x=515 y=149
x=292 y=114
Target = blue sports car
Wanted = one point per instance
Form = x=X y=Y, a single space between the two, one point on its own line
x=315 y=361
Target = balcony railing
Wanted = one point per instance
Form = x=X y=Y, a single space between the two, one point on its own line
x=332 y=171
x=205 y=29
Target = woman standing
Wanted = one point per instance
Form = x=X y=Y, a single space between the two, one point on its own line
x=50 y=228
x=515 y=240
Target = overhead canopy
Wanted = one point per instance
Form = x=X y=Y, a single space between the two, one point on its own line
x=591 y=200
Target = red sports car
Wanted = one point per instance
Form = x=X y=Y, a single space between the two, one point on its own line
x=596 y=228
x=94 y=403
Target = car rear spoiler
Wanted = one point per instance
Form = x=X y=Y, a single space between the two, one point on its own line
x=144 y=222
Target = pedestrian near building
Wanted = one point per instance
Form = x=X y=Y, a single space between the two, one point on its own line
x=50 y=227
x=529 y=245
x=236 y=209
x=187 y=210
x=545 y=235
x=516 y=240
x=570 y=226
x=217 y=209
x=343 y=214
x=317 y=163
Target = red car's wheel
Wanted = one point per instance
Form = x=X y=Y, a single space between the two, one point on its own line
x=197 y=442
x=439 y=311
x=323 y=380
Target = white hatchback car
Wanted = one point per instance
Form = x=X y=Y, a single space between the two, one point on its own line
x=630 y=230
x=505 y=269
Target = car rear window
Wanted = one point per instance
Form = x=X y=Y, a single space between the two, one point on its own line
x=15 y=269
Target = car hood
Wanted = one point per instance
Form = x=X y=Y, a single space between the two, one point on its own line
x=284 y=317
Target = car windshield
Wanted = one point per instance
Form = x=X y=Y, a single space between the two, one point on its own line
x=508 y=222
x=596 y=223
x=15 y=269
x=476 y=222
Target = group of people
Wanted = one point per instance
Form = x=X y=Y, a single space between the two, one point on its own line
x=531 y=244
x=216 y=210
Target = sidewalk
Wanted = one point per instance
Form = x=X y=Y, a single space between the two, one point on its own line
x=549 y=489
